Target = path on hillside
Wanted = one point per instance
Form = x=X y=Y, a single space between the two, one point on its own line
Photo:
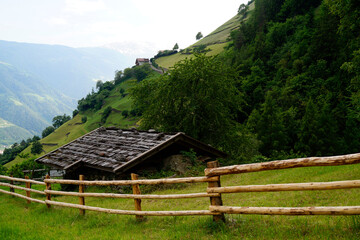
x=161 y=71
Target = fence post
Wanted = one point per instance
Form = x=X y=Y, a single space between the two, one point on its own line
x=81 y=199
x=48 y=187
x=28 y=186
x=12 y=183
x=216 y=201
x=136 y=190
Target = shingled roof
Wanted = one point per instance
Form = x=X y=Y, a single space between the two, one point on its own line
x=117 y=150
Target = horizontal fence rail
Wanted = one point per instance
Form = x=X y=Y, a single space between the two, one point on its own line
x=22 y=188
x=348 y=210
x=288 y=187
x=133 y=196
x=283 y=164
x=21 y=180
x=135 y=182
x=130 y=212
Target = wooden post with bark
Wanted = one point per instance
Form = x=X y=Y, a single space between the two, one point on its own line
x=12 y=183
x=28 y=185
x=216 y=201
x=81 y=199
x=48 y=187
x=136 y=191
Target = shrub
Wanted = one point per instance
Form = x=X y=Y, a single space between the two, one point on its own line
x=125 y=113
x=84 y=119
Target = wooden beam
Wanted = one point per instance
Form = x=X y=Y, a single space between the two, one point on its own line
x=21 y=180
x=347 y=210
x=134 y=182
x=283 y=164
x=81 y=199
x=21 y=188
x=287 y=187
x=22 y=196
x=215 y=201
x=48 y=188
x=132 y=196
x=28 y=186
x=136 y=191
x=130 y=212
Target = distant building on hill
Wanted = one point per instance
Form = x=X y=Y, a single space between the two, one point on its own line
x=141 y=61
x=112 y=153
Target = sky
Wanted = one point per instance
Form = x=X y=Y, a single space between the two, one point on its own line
x=131 y=26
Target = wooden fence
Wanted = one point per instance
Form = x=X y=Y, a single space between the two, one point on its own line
x=284 y=164
x=214 y=190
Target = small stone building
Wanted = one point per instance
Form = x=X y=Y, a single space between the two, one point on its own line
x=112 y=153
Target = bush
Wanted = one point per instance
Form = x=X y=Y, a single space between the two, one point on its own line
x=36 y=147
x=75 y=112
x=47 y=131
x=106 y=114
x=84 y=119
x=125 y=113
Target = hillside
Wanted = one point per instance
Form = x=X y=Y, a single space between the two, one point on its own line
x=28 y=102
x=11 y=133
x=71 y=71
x=41 y=81
x=76 y=128
x=215 y=41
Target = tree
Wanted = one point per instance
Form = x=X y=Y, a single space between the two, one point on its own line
x=36 y=147
x=99 y=84
x=197 y=97
x=60 y=120
x=106 y=114
x=176 y=47
x=125 y=113
x=199 y=36
x=47 y=131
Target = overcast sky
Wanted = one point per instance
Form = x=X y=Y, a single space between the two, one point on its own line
x=148 y=24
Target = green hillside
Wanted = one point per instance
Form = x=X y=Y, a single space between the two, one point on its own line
x=11 y=133
x=28 y=102
x=214 y=42
x=76 y=128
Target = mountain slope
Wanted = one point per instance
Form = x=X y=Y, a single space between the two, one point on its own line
x=215 y=41
x=10 y=133
x=28 y=102
x=72 y=71
x=76 y=128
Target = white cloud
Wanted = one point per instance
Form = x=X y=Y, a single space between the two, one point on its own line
x=81 y=7
x=58 y=21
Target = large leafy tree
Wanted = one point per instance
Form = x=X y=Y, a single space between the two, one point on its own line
x=60 y=120
x=198 y=96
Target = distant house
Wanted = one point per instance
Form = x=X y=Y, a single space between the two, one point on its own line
x=141 y=61
x=112 y=153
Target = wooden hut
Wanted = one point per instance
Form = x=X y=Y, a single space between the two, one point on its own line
x=109 y=153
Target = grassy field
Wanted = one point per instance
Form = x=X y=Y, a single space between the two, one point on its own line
x=21 y=221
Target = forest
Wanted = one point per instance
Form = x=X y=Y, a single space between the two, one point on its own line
x=287 y=86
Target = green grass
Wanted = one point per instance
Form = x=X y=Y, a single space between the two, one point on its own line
x=170 y=61
x=21 y=221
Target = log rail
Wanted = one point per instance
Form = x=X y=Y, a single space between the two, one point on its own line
x=285 y=164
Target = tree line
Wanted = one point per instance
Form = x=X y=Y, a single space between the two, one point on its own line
x=287 y=86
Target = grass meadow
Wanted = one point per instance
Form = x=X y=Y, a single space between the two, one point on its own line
x=19 y=220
